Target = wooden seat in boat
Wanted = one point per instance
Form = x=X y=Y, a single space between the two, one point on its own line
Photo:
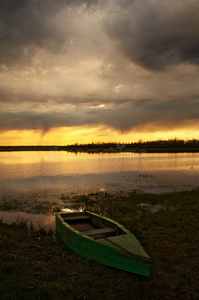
x=76 y=218
x=99 y=231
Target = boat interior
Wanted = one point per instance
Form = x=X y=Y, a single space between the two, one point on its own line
x=92 y=226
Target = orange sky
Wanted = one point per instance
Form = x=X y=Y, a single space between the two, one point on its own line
x=65 y=136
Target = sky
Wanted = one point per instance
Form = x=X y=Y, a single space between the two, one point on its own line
x=81 y=71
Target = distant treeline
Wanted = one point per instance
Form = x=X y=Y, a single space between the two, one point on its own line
x=194 y=143
x=172 y=145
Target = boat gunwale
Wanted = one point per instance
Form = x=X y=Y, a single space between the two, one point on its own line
x=72 y=228
x=81 y=235
x=128 y=233
x=120 y=226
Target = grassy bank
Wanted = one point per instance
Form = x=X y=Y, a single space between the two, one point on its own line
x=35 y=264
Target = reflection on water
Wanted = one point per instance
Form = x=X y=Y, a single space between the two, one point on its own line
x=69 y=210
x=47 y=169
x=154 y=207
x=45 y=221
x=36 y=181
x=39 y=220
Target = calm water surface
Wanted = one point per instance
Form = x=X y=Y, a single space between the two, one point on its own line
x=29 y=179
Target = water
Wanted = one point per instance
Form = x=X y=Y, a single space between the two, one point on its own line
x=84 y=173
x=34 y=182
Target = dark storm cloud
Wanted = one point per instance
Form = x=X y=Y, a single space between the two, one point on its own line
x=155 y=34
x=29 y=25
x=43 y=121
x=45 y=82
x=149 y=115
x=152 y=115
x=24 y=27
x=10 y=6
x=37 y=99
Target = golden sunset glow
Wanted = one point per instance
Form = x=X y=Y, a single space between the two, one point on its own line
x=68 y=136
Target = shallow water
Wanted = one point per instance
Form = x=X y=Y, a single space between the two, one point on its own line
x=82 y=173
x=35 y=181
x=37 y=220
x=45 y=221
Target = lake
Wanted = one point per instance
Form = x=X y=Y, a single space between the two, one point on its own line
x=31 y=180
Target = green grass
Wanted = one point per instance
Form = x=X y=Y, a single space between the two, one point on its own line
x=35 y=264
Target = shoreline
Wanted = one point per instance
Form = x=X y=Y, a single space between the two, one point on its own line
x=95 y=149
x=36 y=264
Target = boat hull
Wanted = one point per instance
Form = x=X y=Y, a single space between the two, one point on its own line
x=98 y=250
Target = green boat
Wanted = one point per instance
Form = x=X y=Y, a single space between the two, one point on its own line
x=104 y=240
